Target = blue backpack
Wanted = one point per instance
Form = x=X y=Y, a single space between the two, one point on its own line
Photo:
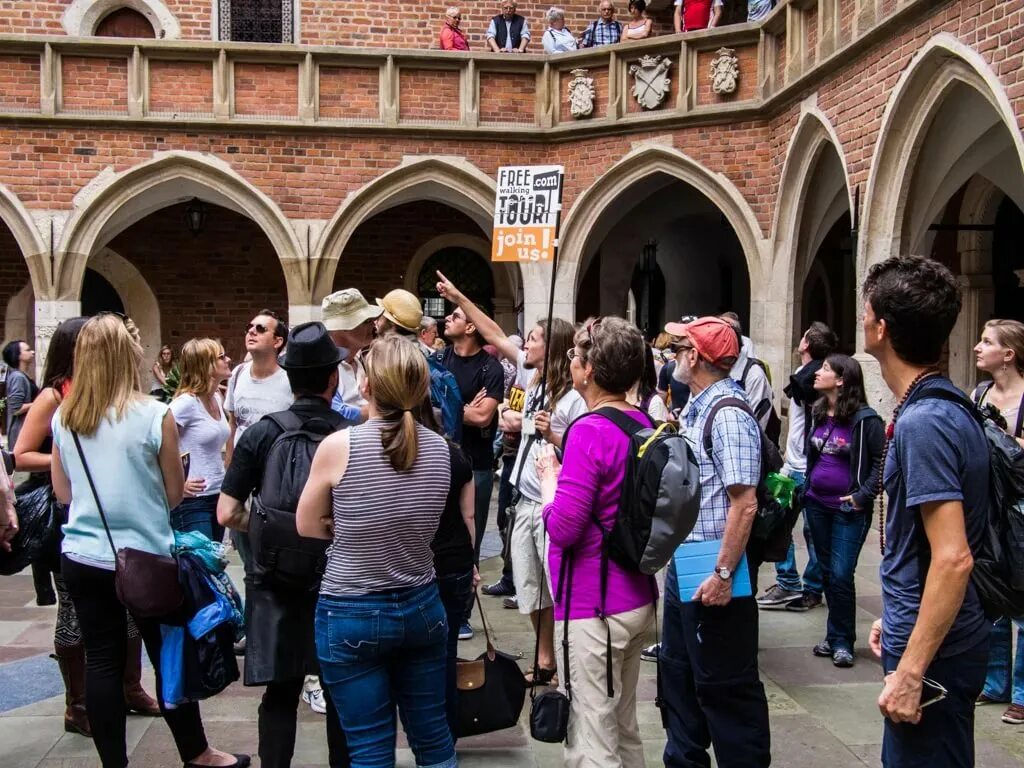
x=445 y=397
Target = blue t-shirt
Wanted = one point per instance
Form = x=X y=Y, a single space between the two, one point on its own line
x=938 y=453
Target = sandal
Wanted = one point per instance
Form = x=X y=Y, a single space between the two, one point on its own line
x=541 y=677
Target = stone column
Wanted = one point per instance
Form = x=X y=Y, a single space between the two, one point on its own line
x=536 y=287
x=302 y=313
x=976 y=309
x=50 y=314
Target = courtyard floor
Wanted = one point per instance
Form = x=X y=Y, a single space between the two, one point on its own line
x=820 y=716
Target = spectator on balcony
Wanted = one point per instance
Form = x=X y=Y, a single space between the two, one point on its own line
x=639 y=26
x=758 y=9
x=508 y=31
x=452 y=38
x=691 y=15
x=556 y=38
x=604 y=31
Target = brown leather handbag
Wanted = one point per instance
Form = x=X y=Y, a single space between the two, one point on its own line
x=147 y=584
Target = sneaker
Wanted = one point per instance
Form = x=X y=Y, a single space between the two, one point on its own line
x=465 y=631
x=843 y=658
x=823 y=649
x=240 y=647
x=650 y=653
x=511 y=602
x=1014 y=715
x=775 y=598
x=499 y=589
x=984 y=699
x=804 y=602
x=313 y=695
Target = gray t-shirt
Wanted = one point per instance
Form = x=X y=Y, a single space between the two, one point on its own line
x=938 y=453
x=249 y=399
x=203 y=438
x=19 y=392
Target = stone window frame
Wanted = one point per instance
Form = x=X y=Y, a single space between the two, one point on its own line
x=218 y=7
x=82 y=17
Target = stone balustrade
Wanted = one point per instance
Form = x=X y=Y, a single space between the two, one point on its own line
x=213 y=84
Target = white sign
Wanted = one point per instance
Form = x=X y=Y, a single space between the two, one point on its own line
x=526 y=212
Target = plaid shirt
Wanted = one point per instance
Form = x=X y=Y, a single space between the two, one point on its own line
x=601 y=32
x=735 y=457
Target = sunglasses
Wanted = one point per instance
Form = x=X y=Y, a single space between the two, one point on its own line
x=572 y=354
x=258 y=327
x=223 y=356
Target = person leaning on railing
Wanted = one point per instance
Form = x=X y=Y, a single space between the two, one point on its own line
x=453 y=38
x=556 y=38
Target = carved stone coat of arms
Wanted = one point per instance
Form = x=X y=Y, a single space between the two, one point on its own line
x=651 y=82
x=725 y=71
x=582 y=93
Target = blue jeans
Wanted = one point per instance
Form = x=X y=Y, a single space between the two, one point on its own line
x=944 y=738
x=199 y=514
x=1005 y=681
x=483 y=486
x=786 y=575
x=455 y=590
x=383 y=650
x=838 y=538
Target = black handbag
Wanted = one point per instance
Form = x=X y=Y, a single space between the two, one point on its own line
x=491 y=689
x=38 y=529
x=549 y=712
x=146 y=584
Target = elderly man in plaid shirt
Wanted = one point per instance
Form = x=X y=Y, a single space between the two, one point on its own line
x=603 y=31
x=709 y=684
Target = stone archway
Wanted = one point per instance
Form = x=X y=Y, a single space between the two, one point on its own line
x=82 y=17
x=19 y=221
x=125 y=198
x=451 y=181
x=140 y=303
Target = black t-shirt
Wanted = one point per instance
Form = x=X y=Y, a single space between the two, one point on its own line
x=667 y=383
x=244 y=476
x=473 y=373
x=453 y=552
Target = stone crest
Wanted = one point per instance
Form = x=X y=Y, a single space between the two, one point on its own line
x=651 y=82
x=725 y=71
x=582 y=93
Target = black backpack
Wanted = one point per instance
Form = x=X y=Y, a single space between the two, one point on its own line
x=280 y=556
x=773 y=427
x=998 y=574
x=772 y=530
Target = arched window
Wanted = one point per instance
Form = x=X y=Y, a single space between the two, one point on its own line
x=464 y=267
x=125 y=22
x=256 y=21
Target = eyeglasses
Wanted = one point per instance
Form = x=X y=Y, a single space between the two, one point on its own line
x=573 y=353
x=940 y=692
x=110 y=313
x=680 y=347
x=223 y=356
x=258 y=327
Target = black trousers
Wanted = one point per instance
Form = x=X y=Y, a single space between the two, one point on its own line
x=709 y=684
x=505 y=491
x=103 y=621
x=277 y=726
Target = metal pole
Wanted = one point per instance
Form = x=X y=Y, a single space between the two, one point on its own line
x=551 y=293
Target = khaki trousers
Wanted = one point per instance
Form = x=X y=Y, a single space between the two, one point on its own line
x=603 y=732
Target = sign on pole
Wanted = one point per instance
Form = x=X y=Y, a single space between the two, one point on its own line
x=526 y=213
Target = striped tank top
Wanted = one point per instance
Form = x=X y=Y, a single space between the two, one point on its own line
x=385 y=520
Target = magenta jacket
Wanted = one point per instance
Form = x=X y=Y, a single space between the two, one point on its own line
x=590 y=485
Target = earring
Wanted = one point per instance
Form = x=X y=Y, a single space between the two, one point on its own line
x=584 y=382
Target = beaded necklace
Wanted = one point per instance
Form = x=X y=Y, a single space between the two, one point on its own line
x=889 y=432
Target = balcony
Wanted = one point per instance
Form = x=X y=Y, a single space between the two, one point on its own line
x=213 y=85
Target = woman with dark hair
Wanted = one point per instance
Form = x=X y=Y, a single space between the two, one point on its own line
x=644 y=394
x=33 y=454
x=21 y=390
x=845 y=442
x=161 y=370
x=639 y=25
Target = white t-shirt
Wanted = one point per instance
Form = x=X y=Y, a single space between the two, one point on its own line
x=249 y=399
x=203 y=438
x=568 y=409
x=796 y=447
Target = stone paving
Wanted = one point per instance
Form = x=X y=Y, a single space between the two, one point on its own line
x=820 y=715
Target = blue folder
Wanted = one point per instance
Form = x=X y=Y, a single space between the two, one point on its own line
x=696 y=560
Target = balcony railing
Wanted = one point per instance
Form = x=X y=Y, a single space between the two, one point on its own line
x=212 y=84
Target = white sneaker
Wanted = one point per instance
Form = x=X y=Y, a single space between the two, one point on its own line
x=313 y=695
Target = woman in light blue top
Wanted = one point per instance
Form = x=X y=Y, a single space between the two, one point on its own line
x=129 y=443
x=557 y=39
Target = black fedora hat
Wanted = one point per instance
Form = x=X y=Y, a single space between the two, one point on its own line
x=310 y=346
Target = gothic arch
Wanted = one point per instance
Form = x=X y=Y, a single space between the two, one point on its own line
x=17 y=218
x=19 y=317
x=452 y=181
x=636 y=166
x=174 y=177
x=943 y=65
x=140 y=303
x=83 y=16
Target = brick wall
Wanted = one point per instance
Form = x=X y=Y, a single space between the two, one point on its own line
x=210 y=285
x=181 y=87
x=92 y=84
x=19 y=82
x=44 y=16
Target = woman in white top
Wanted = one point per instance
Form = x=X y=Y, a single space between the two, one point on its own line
x=203 y=431
x=557 y=39
x=639 y=26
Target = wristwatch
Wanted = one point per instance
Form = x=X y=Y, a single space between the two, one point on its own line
x=723 y=573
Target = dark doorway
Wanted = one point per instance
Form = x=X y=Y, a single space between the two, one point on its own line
x=466 y=269
x=98 y=295
x=1008 y=262
x=125 y=22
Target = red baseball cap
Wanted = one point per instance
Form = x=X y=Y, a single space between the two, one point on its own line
x=713 y=338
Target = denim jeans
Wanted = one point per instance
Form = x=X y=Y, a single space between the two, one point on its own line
x=505 y=492
x=455 y=590
x=383 y=650
x=1005 y=680
x=786 y=574
x=483 y=486
x=198 y=513
x=944 y=738
x=838 y=538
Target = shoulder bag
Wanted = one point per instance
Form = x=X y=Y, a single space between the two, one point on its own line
x=491 y=689
x=549 y=712
x=147 y=584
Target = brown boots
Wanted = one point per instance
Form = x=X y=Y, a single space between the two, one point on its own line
x=71 y=660
x=136 y=699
